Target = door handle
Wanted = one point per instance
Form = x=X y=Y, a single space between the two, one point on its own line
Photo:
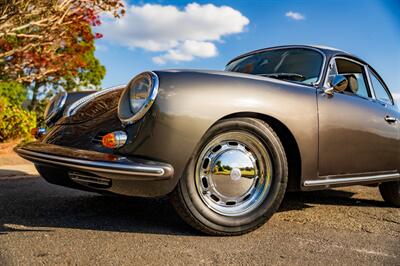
x=390 y=119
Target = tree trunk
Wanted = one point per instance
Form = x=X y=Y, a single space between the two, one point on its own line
x=34 y=101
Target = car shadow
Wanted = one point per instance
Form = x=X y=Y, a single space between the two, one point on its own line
x=305 y=199
x=10 y=173
x=31 y=204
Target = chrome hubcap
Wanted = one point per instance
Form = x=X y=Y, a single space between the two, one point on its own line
x=233 y=173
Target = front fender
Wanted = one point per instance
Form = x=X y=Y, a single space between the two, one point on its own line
x=190 y=102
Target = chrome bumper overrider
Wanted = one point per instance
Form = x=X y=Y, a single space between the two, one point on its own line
x=119 y=167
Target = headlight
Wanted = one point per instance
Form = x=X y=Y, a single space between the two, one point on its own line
x=138 y=97
x=54 y=108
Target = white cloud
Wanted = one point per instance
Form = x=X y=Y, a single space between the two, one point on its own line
x=295 y=15
x=177 y=34
x=187 y=51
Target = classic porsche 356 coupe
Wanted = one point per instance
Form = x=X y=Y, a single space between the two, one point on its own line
x=226 y=146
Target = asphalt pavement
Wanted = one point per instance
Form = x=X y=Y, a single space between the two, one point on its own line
x=43 y=224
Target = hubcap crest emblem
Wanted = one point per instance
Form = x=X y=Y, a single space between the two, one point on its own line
x=236 y=174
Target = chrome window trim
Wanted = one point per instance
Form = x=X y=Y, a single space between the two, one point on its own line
x=74 y=107
x=370 y=83
x=57 y=108
x=148 y=103
x=321 y=73
x=332 y=60
x=368 y=70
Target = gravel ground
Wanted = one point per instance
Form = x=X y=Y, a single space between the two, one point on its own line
x=46 y=224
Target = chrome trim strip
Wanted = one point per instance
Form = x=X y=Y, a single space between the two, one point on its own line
x=351 y=180
x=81 y=178
x=371 y=88
x=74 y=107
x=56 y=109
x=87 y=165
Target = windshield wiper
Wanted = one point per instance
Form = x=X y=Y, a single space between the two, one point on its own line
x=289 y=76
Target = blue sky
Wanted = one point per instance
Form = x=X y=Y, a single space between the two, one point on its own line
x=192 y=34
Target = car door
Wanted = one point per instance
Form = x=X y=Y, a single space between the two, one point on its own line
x=356 y=135
x=385 y=98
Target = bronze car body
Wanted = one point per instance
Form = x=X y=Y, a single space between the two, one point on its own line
x=329 y=139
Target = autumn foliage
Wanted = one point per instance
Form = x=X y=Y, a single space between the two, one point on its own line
x=45 y=40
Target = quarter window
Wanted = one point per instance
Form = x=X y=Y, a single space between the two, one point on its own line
x=332 y=71
x=380 y=91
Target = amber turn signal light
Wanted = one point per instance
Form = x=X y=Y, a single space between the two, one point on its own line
x=114 y=139
x=38 y=132
x=34 y=132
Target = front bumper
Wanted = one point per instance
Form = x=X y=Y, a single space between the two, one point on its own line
x=91 y=170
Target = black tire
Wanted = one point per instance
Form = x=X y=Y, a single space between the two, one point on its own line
x=390 y=192
x=192 y=209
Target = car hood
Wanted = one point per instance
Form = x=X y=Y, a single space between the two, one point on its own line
x=107 y=100
x=92 y=106
x=224 y=74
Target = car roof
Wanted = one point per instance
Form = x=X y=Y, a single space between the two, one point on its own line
x=327 y=51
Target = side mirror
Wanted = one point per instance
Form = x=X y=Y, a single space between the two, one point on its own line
x=337 y=84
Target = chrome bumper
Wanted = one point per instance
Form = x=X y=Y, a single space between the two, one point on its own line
x=108 y=165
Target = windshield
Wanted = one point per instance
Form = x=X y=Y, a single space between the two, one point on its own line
x=293 y=64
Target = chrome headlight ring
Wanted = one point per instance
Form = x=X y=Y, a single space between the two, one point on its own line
x=138 y=97
x=55 y=107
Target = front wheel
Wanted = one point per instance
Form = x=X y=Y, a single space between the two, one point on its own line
x=390 y=192
x=236 y=179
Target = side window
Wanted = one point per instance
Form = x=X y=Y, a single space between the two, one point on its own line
x=356 y=76
x=380 y=91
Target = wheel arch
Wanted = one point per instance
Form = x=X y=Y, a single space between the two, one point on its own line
x=289 y=144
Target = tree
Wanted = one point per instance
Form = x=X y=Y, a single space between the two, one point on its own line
x=13 y=92
x=15 y=121
x=50 y=41
x=89 y=75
